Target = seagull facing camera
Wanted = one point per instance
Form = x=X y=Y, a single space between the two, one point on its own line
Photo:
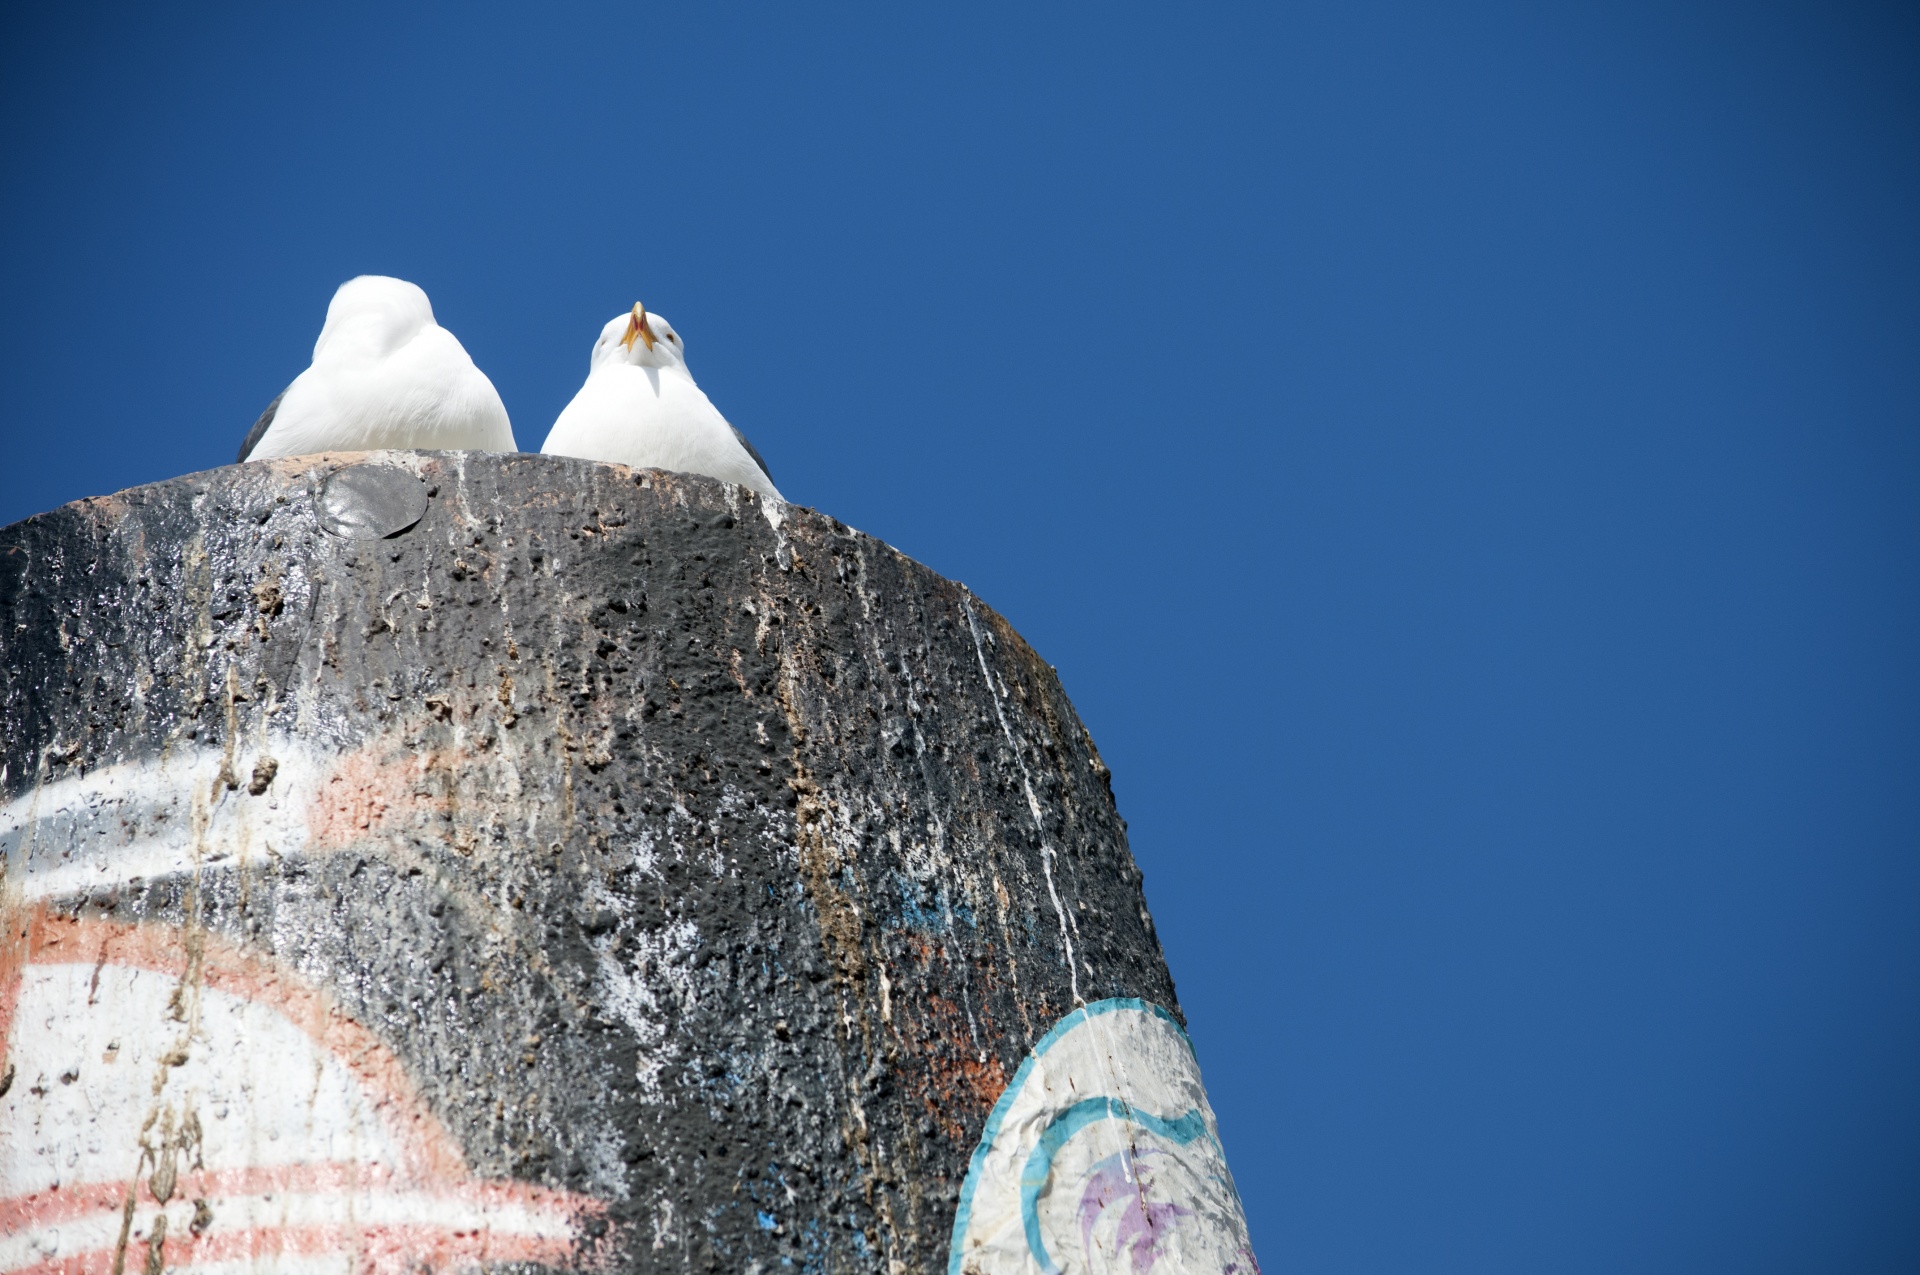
x=640 y=407
x=384 y=375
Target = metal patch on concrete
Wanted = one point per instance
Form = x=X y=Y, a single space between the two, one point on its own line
x=371 y=502
x=1103 y=1157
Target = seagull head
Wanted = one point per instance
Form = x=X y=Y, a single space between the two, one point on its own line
x=641 y=339
x=370 y=317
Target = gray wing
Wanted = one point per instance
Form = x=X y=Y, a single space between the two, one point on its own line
x=259 y=430
x=736 y=433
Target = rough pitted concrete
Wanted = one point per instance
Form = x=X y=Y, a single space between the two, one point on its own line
x=719 y=873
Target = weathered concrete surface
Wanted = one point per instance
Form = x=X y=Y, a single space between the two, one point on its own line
x=628 y=882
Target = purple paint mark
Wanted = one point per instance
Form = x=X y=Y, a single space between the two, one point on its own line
x=1119 y=1180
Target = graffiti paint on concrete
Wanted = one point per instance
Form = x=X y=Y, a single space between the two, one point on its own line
x=1103 y=1158
x=172 y=1100
x=591 y=837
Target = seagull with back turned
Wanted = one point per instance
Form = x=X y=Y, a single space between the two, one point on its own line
x=384 y=375
x=640 y=407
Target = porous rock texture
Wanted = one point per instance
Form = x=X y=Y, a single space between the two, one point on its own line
x=690 y=874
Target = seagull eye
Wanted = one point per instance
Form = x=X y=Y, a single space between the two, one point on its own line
x=671 y=337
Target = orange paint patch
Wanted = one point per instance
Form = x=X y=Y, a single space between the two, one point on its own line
x=371 y=794
x=948 y=1073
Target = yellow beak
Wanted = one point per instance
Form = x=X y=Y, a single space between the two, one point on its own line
x=637 y=328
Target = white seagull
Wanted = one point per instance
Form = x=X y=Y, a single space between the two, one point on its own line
x=640 y=407
x=384 y=375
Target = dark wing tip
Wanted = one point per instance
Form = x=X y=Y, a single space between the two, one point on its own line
x=259 y=430
x=752 y=451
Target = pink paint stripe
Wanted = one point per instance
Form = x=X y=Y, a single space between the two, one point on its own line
x=376 y=1250
x=66 y=1202
x=45 y=938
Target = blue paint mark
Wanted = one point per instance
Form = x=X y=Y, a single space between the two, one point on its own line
x=917 y=916
x=813 y=1238
x=1012 y=1091
x=1039 y=1165
x=930 y=916
x=764 y=1220
x=925 y=917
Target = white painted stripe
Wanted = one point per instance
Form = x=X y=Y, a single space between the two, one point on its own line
x=154 y=817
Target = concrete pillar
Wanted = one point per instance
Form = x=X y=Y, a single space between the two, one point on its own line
x=440 y=861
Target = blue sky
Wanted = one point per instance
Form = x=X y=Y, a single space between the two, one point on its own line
x=1462 y=460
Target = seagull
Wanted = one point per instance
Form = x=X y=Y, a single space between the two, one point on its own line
x=384 y=374
x=640 y=407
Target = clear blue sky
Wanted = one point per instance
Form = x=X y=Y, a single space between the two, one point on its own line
x=1464 y=461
